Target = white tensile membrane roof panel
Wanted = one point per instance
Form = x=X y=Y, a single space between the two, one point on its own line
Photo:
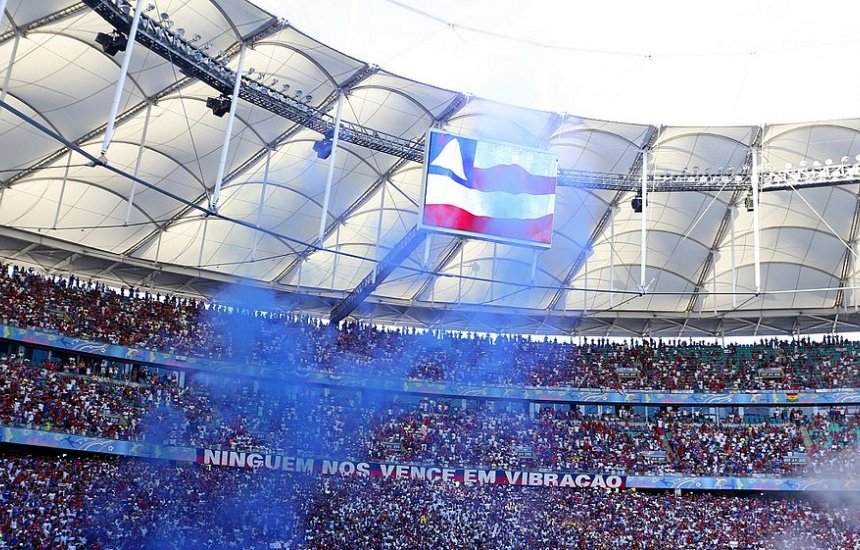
x=699 y=247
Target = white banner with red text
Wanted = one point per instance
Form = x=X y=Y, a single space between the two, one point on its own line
x=467 y=476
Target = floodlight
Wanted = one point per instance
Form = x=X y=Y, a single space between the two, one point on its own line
x=112 y=43
x=220 y=105
x=636 y=203
x=323 y=147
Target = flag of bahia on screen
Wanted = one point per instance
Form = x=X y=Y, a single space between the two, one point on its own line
x=489 y=190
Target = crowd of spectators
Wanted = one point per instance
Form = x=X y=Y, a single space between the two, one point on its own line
x=316 y=422
x=284 y=343
x=52 y=501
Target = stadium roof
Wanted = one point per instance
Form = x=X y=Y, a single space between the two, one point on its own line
x=62 y=211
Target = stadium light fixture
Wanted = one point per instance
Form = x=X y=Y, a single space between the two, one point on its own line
x=749 y=203
x=323 y=147
x=112 y=43
x=220 y=105
x=636 y=203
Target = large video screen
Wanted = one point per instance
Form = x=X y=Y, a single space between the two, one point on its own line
x=489 y=190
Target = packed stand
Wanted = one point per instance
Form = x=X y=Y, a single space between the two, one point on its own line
x=90 y=501
x=290 y=344
x=835 y=451
x=311 y=422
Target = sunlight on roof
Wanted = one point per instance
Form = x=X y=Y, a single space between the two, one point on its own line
x=671 y=62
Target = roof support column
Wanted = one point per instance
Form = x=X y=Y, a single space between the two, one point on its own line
x=123 y=73
x=331 y=161
x=158 y=244
x=427 y=244
x=262 y=200
x=228 y=133
x=12 y=57
x=534 y=266
x=854 y=276
x=460 y=278
x=62 y=191
x=336 y=256
x=379 y=220
x=585 y=287
x=138 y=161
x=714 y=286
x=7 y=77
x=612 y=256
x=203 y=242
x=493 y=273
x=756 y=223
x=644 y=245
x=734 y=268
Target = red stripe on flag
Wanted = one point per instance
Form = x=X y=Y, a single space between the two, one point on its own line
x=450 y=217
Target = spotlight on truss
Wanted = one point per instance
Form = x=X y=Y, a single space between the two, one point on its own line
x=749 y=203
x=636 y=203
x=112 y=43
x=220 y=105
x=323 y=147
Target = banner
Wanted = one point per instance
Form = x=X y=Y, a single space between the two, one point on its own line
x=467 y=476
x=59 y=440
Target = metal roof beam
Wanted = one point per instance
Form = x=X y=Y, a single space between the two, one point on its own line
x=49 y=19
x=446 y=257
x=383 y=269
x=214 y=72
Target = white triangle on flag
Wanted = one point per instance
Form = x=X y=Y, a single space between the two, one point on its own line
x=451 y=158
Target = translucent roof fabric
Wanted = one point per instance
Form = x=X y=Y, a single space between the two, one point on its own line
x=60 y=212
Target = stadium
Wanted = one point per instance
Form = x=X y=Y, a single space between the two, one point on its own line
x=258 y=290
